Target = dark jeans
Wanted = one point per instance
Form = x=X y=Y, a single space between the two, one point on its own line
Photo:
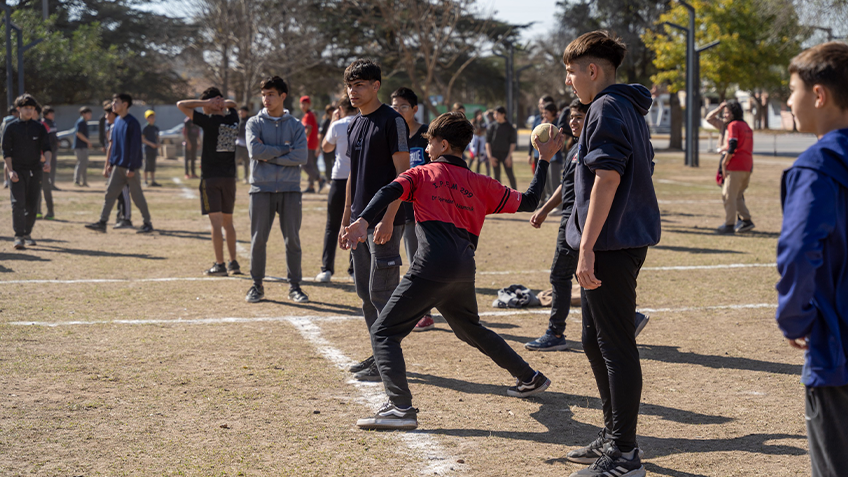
x=335 y=211
x=610 y=344
x=264 y=206
x=457 y=302
x=24 y=197
x=376 y=272
x=562 y=271
x=329 y=160
x=509 y=173
x=47 y=189
x=827 y=430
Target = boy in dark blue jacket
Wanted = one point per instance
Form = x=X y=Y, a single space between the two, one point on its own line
x=123 y=164
x=615 y=219
x=812 y=308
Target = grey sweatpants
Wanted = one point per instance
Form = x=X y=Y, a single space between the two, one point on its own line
x=376 y=272
x=264 y=206
x=311 y=166
x=117 y=181
x=81 y=170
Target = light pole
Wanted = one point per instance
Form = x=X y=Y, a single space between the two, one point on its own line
x=508 y=59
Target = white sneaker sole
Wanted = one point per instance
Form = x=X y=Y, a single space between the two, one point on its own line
x=373 y=423
x=561 y=347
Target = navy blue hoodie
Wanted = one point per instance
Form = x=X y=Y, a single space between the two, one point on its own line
x=812 y=252
x=616 y=137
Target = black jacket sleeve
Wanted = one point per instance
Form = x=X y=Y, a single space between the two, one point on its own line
x=385 y=196
x=732 y=144
x=530 y=199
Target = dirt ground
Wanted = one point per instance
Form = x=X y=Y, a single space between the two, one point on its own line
x=117 y=357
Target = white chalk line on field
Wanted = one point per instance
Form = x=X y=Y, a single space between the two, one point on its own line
x=671 y=268
x=329 y=318
x=421 y=445
x=186 y=192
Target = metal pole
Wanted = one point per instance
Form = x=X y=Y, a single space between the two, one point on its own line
x=691 y=106
x=45 y=9
x=510 y=84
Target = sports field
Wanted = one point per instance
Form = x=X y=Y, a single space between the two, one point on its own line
x=117 y=357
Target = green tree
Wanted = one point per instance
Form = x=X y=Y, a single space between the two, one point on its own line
x=63 y=69
x=758 y=38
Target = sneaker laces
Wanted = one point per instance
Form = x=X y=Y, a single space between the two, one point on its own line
x=604 y=462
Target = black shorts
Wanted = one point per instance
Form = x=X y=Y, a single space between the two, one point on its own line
x=150 y=161
x=217 y=194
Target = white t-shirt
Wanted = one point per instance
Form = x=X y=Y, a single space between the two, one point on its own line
x=338 y=135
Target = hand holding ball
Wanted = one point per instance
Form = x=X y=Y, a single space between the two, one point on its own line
x=543 y=133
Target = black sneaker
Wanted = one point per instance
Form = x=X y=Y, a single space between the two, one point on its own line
x=641 y=321
x=147 y=228
x=725 y=230
x=155 y=184
x=536 y=385
x=391 y=417
x=370 y=374
x=97 y=227
x=744 y=226
x=547 y=342
x=217 y=270
x=364 y=364
x=255 y=294
x=29 y=241
x=612 y=463
x=590 y=453
x=123 y=224
x=233 y=268
x=296 y=295
x=19 y=244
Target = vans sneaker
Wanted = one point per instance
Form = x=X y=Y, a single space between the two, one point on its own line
x=364 y=364
x=547 y=342
x=370 y=374
x=425 y=323
x=97 y=227
x=744 y=226
x=641 y=321
x=296 y=295
x=536 y=385
x=255 y=294
x=612 y=463
x=217 y=270
x=391 y=417
x=233 y=268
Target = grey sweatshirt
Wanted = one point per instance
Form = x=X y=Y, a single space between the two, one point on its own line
x=277 y=149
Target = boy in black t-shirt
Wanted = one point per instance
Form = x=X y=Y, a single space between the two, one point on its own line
x=378 y=149
x=150 y=139
x=405 y=102
x=501 y=139
x=219 y=122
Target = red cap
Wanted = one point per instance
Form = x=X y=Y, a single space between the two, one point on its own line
x=305 y=99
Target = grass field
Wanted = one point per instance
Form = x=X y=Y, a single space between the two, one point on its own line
x=117 y=357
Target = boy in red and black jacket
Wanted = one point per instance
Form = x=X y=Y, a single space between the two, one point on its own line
x=450 y=204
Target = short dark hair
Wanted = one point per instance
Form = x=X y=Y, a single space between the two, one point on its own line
x=84 y=109
x=13 y=109
x=735 y=109
x=500 y=109
x=344 y=103
x=597 y=44
x=26 y=99
x=211 y=92
x=124 y=98
x=244 y=108
x=547 y=98
x=406 y=94
x=825 y=65
x=457 y=106
x=576 y=105
x=275 y=82
x=47 y=110
x=363 y=69
x=551 y=107
x=454 y=128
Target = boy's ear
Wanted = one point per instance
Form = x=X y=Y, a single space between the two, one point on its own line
x=822 y=95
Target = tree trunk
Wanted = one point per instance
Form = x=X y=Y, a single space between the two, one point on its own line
x=225 y=67
x=676 y=135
